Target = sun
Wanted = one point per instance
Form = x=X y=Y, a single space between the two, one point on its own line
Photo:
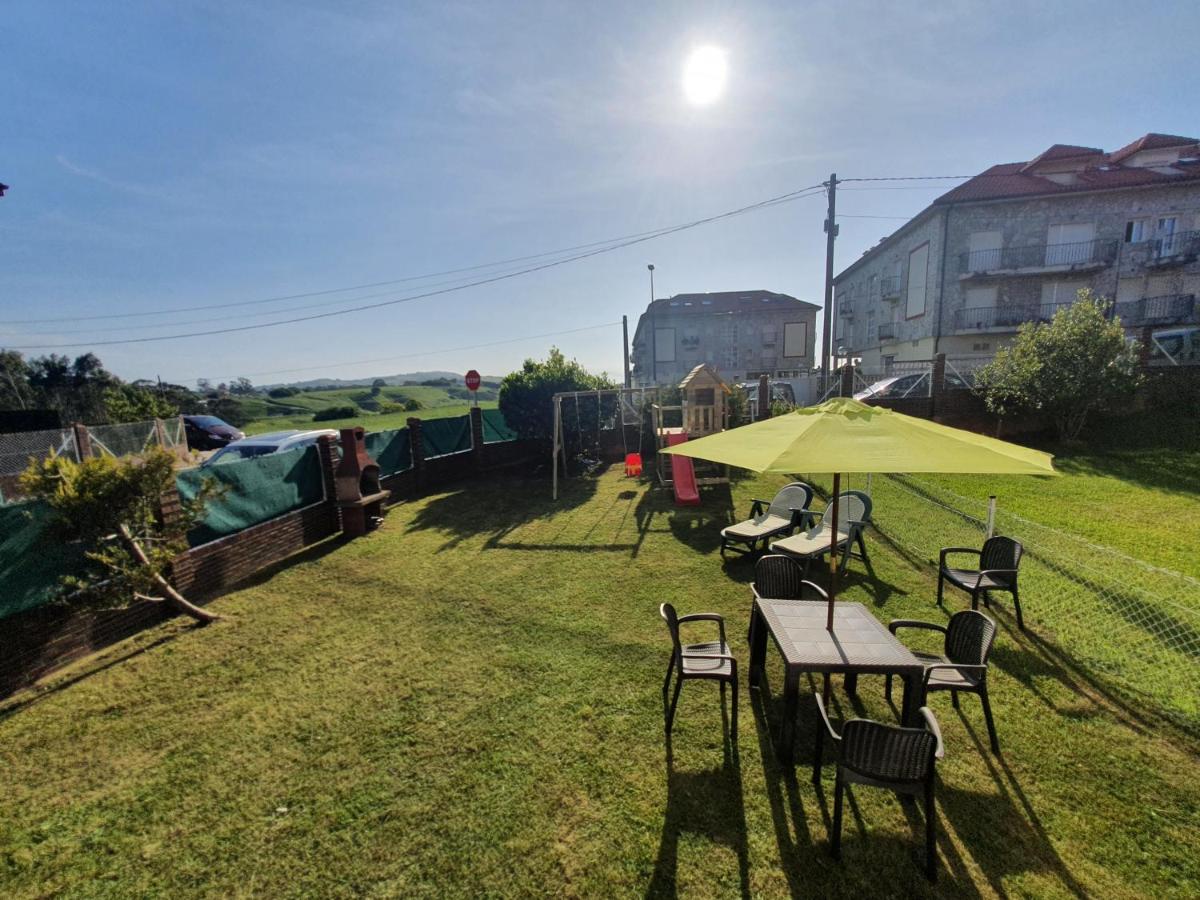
x=704 y=75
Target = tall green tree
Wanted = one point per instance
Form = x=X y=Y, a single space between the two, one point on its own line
x=1078 y=362
x=15 y=392
x=525 y=396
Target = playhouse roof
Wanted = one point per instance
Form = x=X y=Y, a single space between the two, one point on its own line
x=703 y=374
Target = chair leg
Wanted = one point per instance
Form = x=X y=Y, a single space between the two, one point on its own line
x=1017 y=604
x=818 y=752
x=733 y=716
x=835 y=843
x=987 y=717
x=667 y=680
x=887 y=687
x=930 y=833
x=974 y=599
x=674 y=702
x=941 y=581
x=723 y=545
x=954 y=699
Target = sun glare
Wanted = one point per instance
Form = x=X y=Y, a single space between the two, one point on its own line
x=704 y=75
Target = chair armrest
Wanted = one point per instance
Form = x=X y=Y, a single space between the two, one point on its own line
x=758 y=507
x=946 y=551
x=825 y=717
x=801 y=516
x=706 y=617
x=1004 y=573
x=896 y=624
x=964 y=668
x=931 y=723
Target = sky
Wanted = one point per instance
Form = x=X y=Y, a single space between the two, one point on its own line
x=162 y=157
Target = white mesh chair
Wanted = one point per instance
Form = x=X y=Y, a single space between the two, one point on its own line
x=782 y=515
x=854 y=514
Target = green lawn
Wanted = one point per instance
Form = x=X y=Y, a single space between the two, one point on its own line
x=369 y=421
x=466 y=703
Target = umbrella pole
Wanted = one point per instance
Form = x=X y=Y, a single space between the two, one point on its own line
x=833 y=540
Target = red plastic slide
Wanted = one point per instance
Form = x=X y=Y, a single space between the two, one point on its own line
x=683 y=475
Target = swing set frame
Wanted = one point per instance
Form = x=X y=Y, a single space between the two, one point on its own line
x=640 y=394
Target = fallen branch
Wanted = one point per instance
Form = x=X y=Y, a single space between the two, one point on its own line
x=176 y=599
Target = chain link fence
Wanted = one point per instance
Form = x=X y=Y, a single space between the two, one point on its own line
x=131 y=438
x=1132 y=627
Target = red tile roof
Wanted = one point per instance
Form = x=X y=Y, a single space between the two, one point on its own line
x=1014 y=180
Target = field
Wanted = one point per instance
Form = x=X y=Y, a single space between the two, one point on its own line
x=467 y=703
x=277 y=414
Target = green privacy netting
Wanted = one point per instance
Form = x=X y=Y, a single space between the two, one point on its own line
x=32 y=557
x=441 y=436
x=495 y=428
x=391 y=450
x=255 y=490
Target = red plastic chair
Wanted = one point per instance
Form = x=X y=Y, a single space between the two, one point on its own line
x=633 y=464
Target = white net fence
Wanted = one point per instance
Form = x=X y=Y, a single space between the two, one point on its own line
x=16 y=450
x=1133 y=628
x=136 y=437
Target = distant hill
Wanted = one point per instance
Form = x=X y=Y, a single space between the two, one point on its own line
x=316 y=383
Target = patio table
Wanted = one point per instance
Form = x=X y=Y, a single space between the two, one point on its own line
x=858 y=644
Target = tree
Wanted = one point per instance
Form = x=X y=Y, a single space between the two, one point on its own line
x=75 y=388
x=111 y=506
x=525 y=395
x=15 y=392
x=412 y=404
x=133 y=403
x=1076 y=363
x=377 y=386
x=242 y=387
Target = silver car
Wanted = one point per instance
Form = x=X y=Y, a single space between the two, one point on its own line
x=265 y=444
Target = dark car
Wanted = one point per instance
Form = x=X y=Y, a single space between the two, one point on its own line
x=209 y=433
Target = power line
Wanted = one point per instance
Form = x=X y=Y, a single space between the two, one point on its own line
x=381 y=359
x=411 y=278
x=812 y=190
x=910 y=178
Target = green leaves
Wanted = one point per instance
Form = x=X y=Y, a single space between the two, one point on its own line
x=525 y=395
x=1078 y=362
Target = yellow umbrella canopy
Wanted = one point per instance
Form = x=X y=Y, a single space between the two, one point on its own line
x=843 y=435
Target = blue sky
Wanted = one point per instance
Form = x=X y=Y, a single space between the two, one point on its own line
x=163 y=156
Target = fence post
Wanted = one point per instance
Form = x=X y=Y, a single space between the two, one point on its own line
x=160 y=433
x=328 y=459
x=991 y=517
x=764 y=399
x=846 y=389
x=477 y=438
x=83 y=441
x=417 y=444
x=937 y=383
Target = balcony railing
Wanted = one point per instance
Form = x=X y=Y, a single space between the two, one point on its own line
x=1169 y=309
x=887 y=331
x=845 y=309
x=1039 y=256
x=1173 y=248
x=983 y=318
x=889 y=287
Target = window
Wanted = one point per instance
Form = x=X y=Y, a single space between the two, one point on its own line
x=918 y=272
x=1069 y=243
x=984 y=247
x=1165 y=243
x=1056 y=292
x=664 y=345
x=1137 y=230
x=795 y=339
x=982 y=297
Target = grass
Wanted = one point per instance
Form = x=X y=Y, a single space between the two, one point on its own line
x=370 y=421
x=466 y=703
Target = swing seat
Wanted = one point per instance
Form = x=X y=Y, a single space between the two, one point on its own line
x=633 y=464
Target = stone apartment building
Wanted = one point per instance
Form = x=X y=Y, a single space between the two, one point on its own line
x=743 y=334
x=1016 y=242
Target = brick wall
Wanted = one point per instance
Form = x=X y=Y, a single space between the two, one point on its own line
x=37 y=642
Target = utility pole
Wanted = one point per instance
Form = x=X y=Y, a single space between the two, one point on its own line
x=625 y=346
x=831 y=231
x=653 y=331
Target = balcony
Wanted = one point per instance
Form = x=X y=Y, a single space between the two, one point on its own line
x=887 y=331
x=889 y=287
x=1169 y=309
x=1003 y=318
x=845 y=310
x=1169 y=250
x=1038 y=259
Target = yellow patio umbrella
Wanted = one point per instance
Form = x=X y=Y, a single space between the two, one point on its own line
x=843 y=435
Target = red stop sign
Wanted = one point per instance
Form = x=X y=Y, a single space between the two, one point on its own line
x=472 y=380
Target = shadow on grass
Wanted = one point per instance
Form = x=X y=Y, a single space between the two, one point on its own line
x=707 y=803
x=699 y=527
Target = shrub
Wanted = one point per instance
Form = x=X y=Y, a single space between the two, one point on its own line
x=329 y=413
x=412 y=404
x=281 y=392
x=525 y=395
x=1076 y=363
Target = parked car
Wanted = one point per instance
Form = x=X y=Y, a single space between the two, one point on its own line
x=265 y=444
x=915 y=384
x=209 y=433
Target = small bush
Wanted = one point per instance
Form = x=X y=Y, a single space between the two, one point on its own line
x=330 y=413
x=412 y=404
x=281 y=392
x=388 y=407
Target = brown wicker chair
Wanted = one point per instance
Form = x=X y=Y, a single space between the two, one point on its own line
x=710 y=661
x=998 y=563
x=963 y=666
x=780 y=577
x=886 y=756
